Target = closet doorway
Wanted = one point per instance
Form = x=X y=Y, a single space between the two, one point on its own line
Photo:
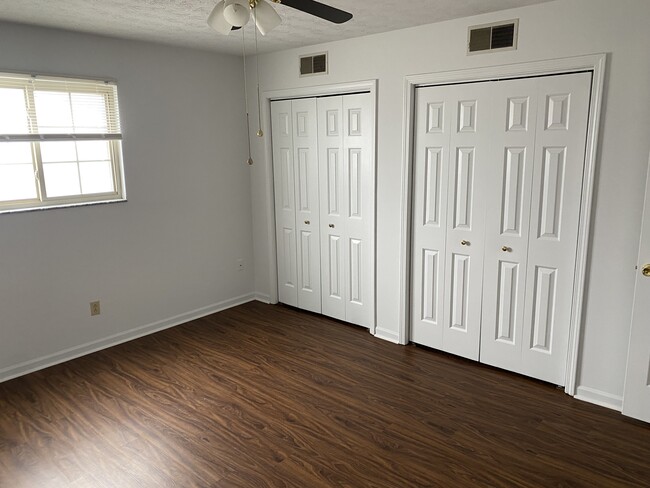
x=324 y=204
x=501 y=179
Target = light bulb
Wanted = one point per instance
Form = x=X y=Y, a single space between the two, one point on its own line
x=237 y=14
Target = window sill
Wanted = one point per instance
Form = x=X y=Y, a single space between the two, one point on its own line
x=61 y=205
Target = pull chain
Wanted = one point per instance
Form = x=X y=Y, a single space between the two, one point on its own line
x=260 y=133
x=248 y=124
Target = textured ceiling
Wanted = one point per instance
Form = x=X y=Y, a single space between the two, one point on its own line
x=183 y=22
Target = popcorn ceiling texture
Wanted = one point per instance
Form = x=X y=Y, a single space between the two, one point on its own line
x=183 y=22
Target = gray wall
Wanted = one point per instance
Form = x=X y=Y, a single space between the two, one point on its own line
x=167 y=254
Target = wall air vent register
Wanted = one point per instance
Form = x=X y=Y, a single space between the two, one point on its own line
x=314 y=64
x=500 y=36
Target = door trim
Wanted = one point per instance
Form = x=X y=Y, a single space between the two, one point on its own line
x=267 y=96
x=595 y=63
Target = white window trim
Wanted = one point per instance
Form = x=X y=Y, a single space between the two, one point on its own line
x=113 y=136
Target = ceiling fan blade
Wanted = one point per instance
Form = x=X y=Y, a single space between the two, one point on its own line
x=235 y=28
x=319 y=10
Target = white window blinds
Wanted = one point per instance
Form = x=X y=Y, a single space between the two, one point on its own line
x=60 y=142
x=40 y=108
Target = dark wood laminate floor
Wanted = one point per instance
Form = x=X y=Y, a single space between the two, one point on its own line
x=264 y=395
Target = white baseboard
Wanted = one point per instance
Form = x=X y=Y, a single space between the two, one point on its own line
x=113 y=340
x=598 y=397
x=262 y=297
x=387 y=335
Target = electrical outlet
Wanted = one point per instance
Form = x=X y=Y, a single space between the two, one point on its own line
x=240 y=264
x=94 y=308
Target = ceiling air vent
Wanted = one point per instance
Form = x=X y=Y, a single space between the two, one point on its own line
x=493 y=37
x=314 y=64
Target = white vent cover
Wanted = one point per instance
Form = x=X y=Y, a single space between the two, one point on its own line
x=314 y=64
x=499 y=36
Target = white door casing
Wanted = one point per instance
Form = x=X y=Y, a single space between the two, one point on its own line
x=285 y=211
x=636 y=397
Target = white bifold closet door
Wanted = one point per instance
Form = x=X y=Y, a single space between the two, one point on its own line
x=295 y=171
x=347 y=198
x=325 y=164
x=452 y=148
x=513 y=239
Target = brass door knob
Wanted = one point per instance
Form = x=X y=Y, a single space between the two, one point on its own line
x=646 y=270
x=464 y=243
x=307 y=222
x=506 y=249
x=331 y=226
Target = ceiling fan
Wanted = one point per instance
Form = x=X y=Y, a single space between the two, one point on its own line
x=231 y=15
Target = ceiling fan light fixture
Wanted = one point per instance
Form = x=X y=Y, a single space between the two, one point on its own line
x=217 y=21
x=236 y=12
x=266 y=18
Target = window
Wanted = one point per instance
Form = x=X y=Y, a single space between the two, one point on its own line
x=60 y=142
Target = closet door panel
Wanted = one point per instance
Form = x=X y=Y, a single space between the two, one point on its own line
x=285 y=209
x=359 y=206
x=333 y=206
x=430 y=181
x=556 y=194
x=306 y=177
x=470 y=143
x=507 y=223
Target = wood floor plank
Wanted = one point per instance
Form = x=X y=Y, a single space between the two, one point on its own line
x=268 y=396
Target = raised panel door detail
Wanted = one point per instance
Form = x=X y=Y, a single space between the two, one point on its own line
x=435 y=117
x=550 y=208
x=508 y=283
x=302 y=124
x=332 y=123
x=354 y=121
x=356 y=271
x=303 y=178
x=430 y=277
x=517 y=114
x=459 y=291
x=557 y=112
x=334 y=266
x=467 y=116
x=432 y=184
x=306 y=256
x=287 y=178
x=512 y=199
x=289 y=250
x=333 y=204
x=284 y=124
x=355 y=182
x=543 y=309
x=464 y=181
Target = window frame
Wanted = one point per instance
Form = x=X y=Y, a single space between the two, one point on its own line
x=112 y=136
